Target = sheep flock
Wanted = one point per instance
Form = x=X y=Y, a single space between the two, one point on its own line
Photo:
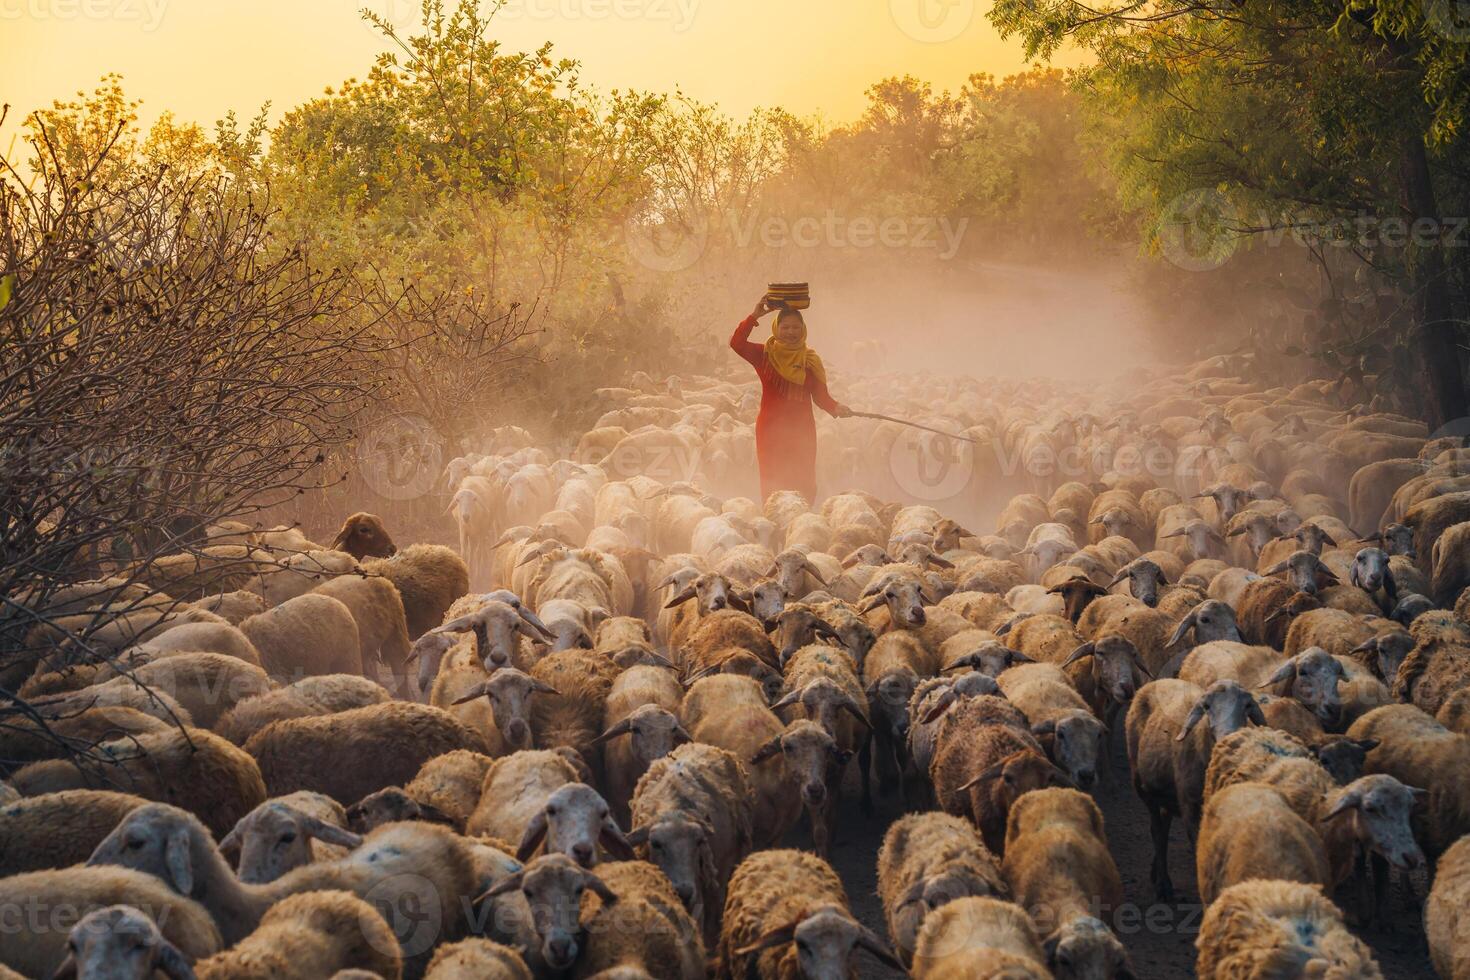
x=633 y=721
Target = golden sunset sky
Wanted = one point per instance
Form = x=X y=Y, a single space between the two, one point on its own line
x=200 y=58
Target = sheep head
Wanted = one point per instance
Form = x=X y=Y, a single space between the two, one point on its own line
x=808 y=750
x=1117 y=668
x=1312 y=677
x=574 y=821
x=276 y=837
x=825 y=942
x=553 y=886
x=364 y=536
x=1378 y=810
x=1210 y=620
x=1225 y=707
x=653 y=733
x=1085 y=948
x=120 y=942
x=798 y=626
x=680 y=844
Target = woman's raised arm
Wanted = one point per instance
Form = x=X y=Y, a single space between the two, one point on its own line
x=741 y=343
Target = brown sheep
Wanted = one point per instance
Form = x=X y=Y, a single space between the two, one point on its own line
x=928 y=860
x=787 y=917
x=1279 y=928
x=324 y=695
x=895 y=666
x=691 y=815
x=81 y=890
x=308 y=936
x=382 y=633
x=979 y=937
x=1444 y=913
x=429 y=578
x=363 y=536
x=188 y=767
x=353 y=754
x=475 y=959
x=980 y=769
x=1169 y=750
x=1058 y=866
x=57 y=830
x=307 y=635
x=1249 y=831
x=1410 y=744
x=571 y=714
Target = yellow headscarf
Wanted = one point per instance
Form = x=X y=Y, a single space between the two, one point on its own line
x=793 y=362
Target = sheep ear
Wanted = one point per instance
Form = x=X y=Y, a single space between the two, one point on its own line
x=1275 y=569
x=851 y=707
x=787 y=700
x=611 y=837
x=231 y=841
x=600 y=888
x=1185 y=625
x=510 y=883
x=1348 y=799
x=1017 y=657
x=825 y=629
x=940 y=706
x=1085 y=650
x=1254 y=713
x=531 y=839
x=773 y=747
x=621 y=728
x=880 y=950
x=170 y=962
x=779 y=936
x=180 y=862
x=329 y=833
x=681 y=598
x=738 y=603
x=1366 y=744
x=1286 y=671
x=873 y=603
x=1196 y=713
x=812 y=571
x=988 y=774
x=68 y=968
x=541 y=687
x=480 y=690
x=1044 y=728
x=637 y=837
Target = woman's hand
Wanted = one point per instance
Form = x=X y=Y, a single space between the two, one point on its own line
x=843 y=412
x=761 y=307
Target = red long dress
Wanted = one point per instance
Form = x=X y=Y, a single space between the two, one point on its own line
x=785 y=431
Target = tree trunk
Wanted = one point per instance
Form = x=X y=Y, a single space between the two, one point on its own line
x=1438 y=346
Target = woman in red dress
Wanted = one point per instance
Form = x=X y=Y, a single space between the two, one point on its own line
x=792 y=377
